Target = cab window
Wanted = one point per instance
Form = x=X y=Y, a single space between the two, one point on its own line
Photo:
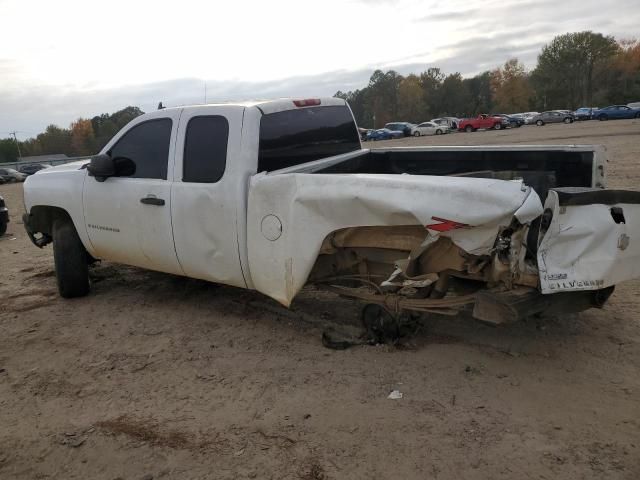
x=205 y=149
x=147 y=145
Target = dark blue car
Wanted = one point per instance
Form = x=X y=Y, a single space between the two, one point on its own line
x=383 y=134
x=584 y=113
x=616 y=112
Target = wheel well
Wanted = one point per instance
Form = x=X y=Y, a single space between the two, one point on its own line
x=41 y=218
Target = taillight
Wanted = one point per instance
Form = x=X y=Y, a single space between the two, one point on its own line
x=309 y=102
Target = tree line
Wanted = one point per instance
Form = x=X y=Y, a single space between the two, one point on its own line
x=83 y=137
x=582 y=69
x=573 y=70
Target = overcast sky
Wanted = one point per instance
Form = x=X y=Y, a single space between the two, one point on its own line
x=62 y=59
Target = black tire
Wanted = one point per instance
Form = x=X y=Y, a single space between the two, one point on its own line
x=539 y=123
x=602 y=118
x=13 y=180
x=638 y=115
x=416 y=134
x=568 y=120
x=497 y=126
x=3 y=228
x=438 y=132
x=71 y=260
x=468 y=129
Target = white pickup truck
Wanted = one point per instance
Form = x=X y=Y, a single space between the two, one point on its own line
x=275 y=195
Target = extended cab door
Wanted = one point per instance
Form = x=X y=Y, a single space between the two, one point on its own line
x=209 y=193
x=129 y=217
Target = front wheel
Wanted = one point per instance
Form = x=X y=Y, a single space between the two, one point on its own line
x=416 y=134
x=70 y=259
x=638 y=115
x=568 y=120
x=539 y=123
x=438 y=132
x=602 y=118
x=3 y=227
x=498 y=126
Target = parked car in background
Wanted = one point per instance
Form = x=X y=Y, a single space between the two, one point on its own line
x=529 y=117
x=584 y=113
x=451 y=122
x=12 y=175
x=634 y=104
x=616 y=112
x=363 y=133
x=553 y=116
x=512 y=121
x=32 y=168
x=4 y=217
x=404 y=127
x=429 y=128
x=482 y=121
x=384 y=134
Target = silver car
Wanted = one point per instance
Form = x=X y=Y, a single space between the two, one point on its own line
x=10 y=175
x=553 y=116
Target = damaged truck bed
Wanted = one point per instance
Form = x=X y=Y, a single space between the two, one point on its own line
x=443 y=229
x=274 y=196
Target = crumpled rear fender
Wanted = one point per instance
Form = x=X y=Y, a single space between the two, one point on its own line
x=289 y=216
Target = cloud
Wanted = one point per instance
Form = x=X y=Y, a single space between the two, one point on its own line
x=448 y=16
x=342 y=43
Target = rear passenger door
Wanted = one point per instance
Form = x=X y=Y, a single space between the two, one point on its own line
x=206 y=194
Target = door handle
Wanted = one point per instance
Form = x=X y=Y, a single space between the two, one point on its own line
x=152 y=201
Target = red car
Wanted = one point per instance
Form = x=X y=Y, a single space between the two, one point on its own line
x=482 y=121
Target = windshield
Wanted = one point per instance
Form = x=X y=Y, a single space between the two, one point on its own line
x=299 y=136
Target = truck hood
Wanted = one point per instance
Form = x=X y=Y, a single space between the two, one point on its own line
x=77 y=165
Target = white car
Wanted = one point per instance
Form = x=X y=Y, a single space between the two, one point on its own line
x=429 y=128
x=529 y=117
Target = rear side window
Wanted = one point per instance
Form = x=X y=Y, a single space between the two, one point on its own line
x=205 y=149
x=147 y=144
x=299 y=136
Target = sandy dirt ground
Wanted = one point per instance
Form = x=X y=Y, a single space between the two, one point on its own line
x=156 y=376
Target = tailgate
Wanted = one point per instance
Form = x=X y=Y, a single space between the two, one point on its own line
x=592 y=240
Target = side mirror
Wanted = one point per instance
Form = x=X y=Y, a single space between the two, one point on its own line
x=102 y=167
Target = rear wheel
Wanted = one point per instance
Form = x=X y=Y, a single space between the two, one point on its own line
x=416 y=134
x=638 y=115
x=468 y=129
x=602 y=118
x=568 y=120
x=539 y=123
x=498 y=126
x=71 y=260
x=3 y=227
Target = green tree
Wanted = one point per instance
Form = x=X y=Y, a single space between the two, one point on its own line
x=53 y=140
x=511 y=88
x=431 y=81
x=455 y=98
x=411 y=105
x=564 y=76
x=8 y=150
x=480 y=93
x=382 y=97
